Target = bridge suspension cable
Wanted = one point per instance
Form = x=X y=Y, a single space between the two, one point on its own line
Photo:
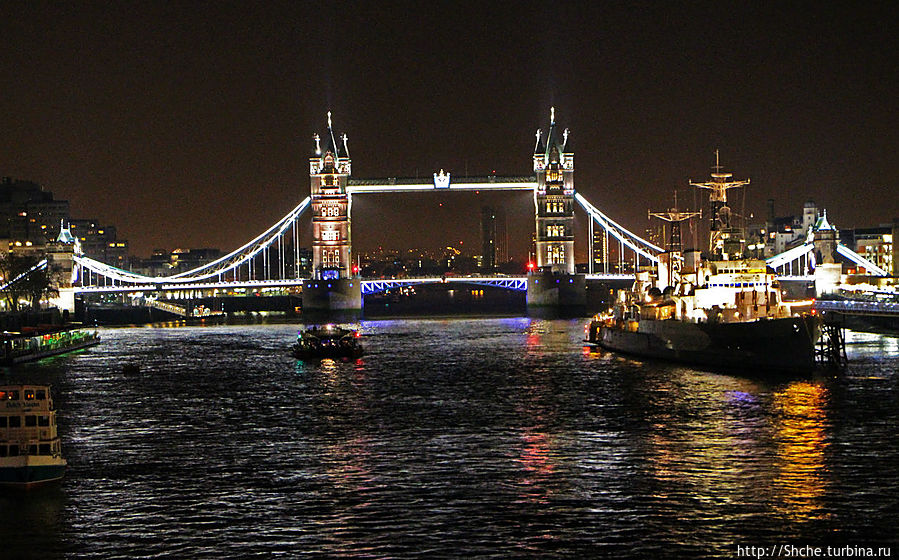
x=217 y=267
x=39 y=266
x=796 y=253
x=631 y=240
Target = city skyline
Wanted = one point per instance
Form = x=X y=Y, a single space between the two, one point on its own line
x=191 y=125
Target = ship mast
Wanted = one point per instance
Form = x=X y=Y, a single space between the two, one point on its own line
x=674 y=217
x=719 y=226
x=670 y=263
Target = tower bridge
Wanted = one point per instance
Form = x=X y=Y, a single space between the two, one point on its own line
x=272 y=259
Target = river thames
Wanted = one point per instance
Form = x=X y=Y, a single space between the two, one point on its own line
x=490 y=438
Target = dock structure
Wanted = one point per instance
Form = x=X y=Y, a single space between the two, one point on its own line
x=830 y=352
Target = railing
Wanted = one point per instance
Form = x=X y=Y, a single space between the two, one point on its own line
x=856 y=307
x=517 y=283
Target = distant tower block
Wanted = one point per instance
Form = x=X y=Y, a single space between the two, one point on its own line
x=332 y=286
x=555 y=285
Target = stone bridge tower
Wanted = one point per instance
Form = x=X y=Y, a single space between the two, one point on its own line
x=554 y=200
x=333 y=286
x=555 y=286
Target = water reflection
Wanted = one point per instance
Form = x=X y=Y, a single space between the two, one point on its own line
x=703 y=432
x=458 y=438
x=536 y=456
x=801 y=442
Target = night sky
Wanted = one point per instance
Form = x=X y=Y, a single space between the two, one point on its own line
x=190 y=124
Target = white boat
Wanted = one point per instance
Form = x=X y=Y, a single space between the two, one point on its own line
x=30 y=453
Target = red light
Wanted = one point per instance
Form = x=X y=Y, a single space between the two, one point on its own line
x=355 y=269
x=531 y=266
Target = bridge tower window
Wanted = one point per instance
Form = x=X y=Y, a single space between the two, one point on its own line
x=556 y=254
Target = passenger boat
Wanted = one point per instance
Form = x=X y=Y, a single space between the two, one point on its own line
x=29 y=444
x=721 y=310
x=328 y=341
x=34 y=343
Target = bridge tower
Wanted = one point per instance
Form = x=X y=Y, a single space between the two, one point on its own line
x=555 y=284
x=333 y=287
x=61 y=265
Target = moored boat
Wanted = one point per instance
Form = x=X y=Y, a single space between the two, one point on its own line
x=34 y=343
x=29 y=443
x=722 y=309
x=328 y=341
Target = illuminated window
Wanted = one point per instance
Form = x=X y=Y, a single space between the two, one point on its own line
x=329 y=235
x=555 y=231
x=556 y=254
x=331 y=258
x=330 y=211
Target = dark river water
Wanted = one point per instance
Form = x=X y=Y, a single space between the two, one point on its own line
x=496 y=438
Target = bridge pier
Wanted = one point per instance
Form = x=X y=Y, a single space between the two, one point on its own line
x=552 y=294
x=339 y=298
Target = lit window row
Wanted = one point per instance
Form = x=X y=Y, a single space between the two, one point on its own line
x=555 y=207
x=330 y=211
x=555 y=231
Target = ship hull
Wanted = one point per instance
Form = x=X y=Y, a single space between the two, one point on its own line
x=782 y=346
x=29 y=475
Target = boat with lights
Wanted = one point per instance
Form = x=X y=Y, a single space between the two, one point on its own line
x=35 y=343
x=328 y=341
x=30 y=452
x=721 y=310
